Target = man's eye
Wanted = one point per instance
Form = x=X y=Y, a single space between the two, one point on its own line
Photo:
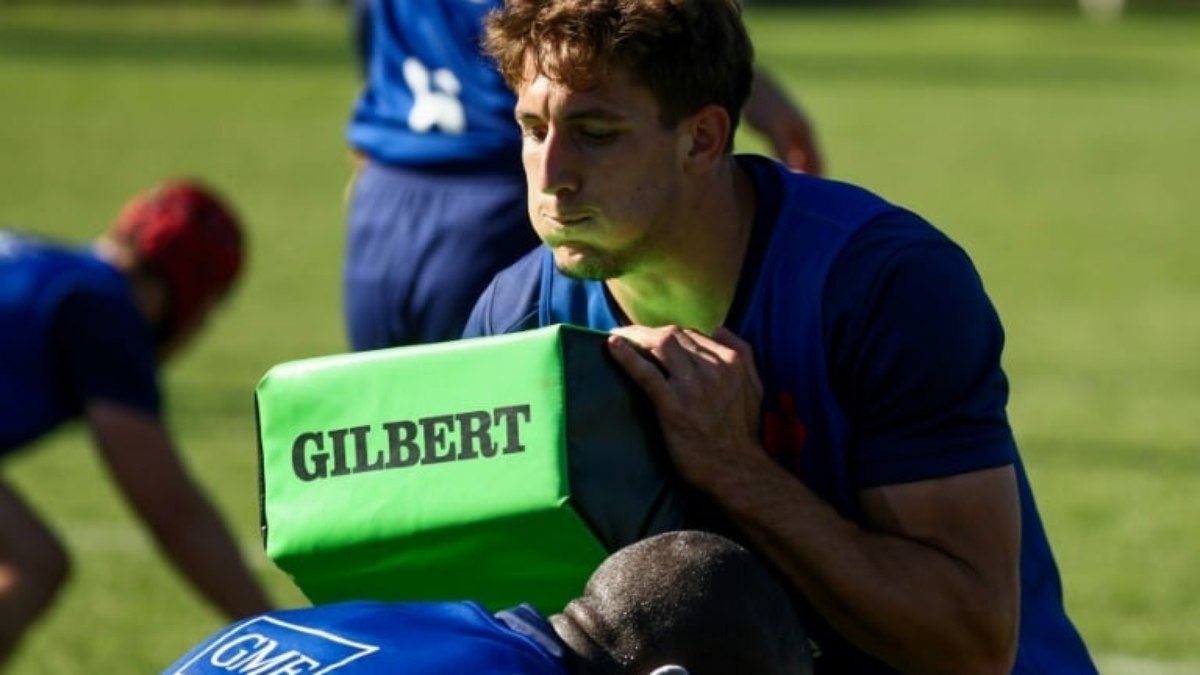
x=597 y=135
x=534 y=133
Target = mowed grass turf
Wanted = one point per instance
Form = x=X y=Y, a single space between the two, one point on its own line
x=1062 y=154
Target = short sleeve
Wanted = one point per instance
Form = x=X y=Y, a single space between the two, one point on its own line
x=915 y=356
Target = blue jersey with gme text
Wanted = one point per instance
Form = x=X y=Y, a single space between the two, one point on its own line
x=879 y=354
x=69 y=333
x=375 y=638
x=431 y=96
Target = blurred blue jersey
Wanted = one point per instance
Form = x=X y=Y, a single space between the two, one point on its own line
x=69 y=333
x=439 y=206
x=431 y=96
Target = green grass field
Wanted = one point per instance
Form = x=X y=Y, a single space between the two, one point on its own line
x=1062 y=154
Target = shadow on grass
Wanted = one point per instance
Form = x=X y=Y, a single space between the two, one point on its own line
x=107 y=46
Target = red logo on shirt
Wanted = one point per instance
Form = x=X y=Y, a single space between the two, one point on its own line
x=783 y=432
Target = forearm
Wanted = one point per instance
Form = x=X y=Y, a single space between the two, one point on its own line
x=784 y=124
x=184 y=523
x=197 y=542
x=929 y=584
x=905 y=601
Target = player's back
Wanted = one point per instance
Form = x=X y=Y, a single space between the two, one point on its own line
x=431 y=97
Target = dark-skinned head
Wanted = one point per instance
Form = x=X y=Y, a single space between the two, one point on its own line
x=690 y=598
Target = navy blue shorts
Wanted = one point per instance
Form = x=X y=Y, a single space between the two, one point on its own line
x=422 y=244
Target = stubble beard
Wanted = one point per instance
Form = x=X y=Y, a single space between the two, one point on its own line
x=590 y=264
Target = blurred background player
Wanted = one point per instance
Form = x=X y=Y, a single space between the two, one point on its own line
x=676 y=603
x=84 y=332
x=438 y=205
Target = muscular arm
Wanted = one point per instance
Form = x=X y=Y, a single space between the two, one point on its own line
x=929 y=582
x=141 y=457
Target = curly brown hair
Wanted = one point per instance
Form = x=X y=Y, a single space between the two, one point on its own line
x=688 y=53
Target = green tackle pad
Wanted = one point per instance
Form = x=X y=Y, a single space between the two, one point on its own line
x=499 y=469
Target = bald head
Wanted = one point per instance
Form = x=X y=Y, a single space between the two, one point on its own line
x=690 y=598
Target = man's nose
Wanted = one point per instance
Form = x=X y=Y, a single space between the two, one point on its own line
x=559 y=164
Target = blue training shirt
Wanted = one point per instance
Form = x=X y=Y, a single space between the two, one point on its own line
x=372 y=638
x=879 y=353
x=71 y=334
x=431 y=96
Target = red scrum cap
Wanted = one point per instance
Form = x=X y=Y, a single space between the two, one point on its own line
x=183 y=232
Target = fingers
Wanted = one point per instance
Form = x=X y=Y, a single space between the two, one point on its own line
x=678 y=350
x=704 y=389
x=681 y=351
x=639 y=366
x=741 y=353
x=690 y=350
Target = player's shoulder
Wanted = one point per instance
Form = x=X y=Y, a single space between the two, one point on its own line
x=19 y=246
x=510 y=302
x=904 y=256
x=525 y=271
x=900 y=243
x=897 y=231
x=48 y=272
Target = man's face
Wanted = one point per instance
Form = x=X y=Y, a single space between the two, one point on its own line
x=603 y=174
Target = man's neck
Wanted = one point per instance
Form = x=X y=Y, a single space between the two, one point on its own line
x=694 y=284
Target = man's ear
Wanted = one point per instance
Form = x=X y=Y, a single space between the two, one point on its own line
x=704 y=137
x=580 y=630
